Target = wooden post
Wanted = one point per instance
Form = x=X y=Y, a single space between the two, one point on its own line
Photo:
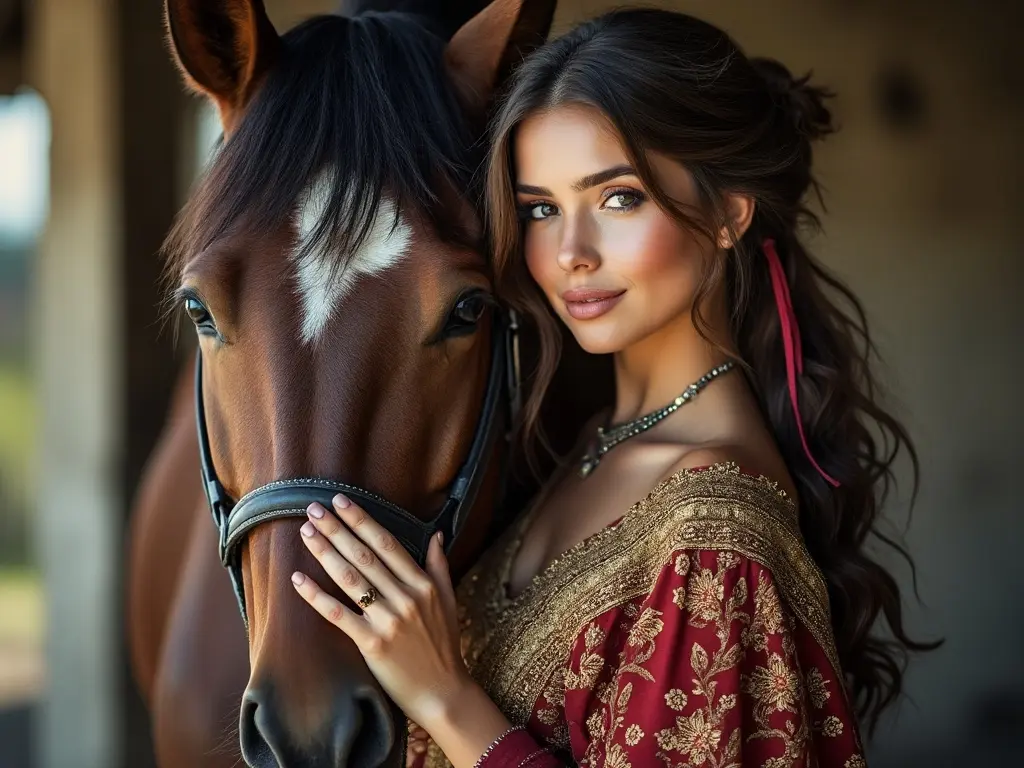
x=102 y=370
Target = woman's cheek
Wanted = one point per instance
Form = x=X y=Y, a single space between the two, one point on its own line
x=540 y=261
x=663 y=252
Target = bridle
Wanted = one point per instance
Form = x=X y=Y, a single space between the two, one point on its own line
x=290 y=498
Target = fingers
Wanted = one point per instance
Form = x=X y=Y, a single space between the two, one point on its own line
x=341 y=540
x=353 y=625
x=379 y=540
x=352 y=580
x=438 y=571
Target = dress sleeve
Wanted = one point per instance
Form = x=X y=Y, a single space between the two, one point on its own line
x=708 y=669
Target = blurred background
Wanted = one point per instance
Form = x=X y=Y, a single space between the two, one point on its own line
x=98 y=147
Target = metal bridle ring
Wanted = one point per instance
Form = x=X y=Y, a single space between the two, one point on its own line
x=368 y=598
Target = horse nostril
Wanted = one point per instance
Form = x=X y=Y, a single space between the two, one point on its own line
x=258 y=732
x=358 y=731
x=365 y=738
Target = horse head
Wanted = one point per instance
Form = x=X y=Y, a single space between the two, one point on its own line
x=332 y=262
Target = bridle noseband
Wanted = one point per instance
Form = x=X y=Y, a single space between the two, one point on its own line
x=290 y=498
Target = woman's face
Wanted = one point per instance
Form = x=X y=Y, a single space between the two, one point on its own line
x=615 y=266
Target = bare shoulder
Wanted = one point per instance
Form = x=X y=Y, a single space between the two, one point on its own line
x=753 y=462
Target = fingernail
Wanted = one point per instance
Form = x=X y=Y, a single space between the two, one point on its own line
x=341 y=501
x=440 y=538
x=307 y=529
x=297 y=578
x=315 y=510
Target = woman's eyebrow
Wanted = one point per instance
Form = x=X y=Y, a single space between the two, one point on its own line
x=581 y=185
x=602 y=176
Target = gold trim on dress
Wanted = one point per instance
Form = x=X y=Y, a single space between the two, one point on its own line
x=512 y=645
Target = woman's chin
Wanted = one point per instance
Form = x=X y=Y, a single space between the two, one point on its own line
x=592 y=341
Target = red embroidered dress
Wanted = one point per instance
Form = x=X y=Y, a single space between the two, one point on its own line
x=693 y=632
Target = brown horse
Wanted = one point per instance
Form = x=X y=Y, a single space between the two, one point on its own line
x=332 y=263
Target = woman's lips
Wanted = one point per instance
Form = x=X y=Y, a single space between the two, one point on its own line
x=588 y=303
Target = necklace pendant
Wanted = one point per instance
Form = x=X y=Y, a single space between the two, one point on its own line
x=587 y=465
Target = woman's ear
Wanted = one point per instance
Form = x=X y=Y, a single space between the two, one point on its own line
x=223 y=48
x=739 y=212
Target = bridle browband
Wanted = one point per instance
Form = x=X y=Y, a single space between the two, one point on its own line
x=290 y=498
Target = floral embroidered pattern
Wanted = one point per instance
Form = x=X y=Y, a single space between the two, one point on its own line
x=816 y=688
x=702 y=596
x=693 y=633
x=590 y=664
x=675 y=699
x=693 y=736
x=776 y=687
x=633 y=735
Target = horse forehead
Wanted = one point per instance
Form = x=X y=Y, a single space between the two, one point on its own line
x=386 y=244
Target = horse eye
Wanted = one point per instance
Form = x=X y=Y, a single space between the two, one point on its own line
x=471 y=309
x=198 y=314
x=466 y=314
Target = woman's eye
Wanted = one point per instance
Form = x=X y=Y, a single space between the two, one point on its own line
x=538 y=211
x=622 y=201
x=198 y=314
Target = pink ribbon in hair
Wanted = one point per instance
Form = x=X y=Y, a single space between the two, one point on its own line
x=791 y=343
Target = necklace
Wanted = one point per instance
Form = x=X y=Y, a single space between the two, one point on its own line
x=606 y=439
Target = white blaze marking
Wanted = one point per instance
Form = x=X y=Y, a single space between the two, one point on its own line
x=383 y=247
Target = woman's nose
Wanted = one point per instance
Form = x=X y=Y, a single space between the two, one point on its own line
x=576 y=252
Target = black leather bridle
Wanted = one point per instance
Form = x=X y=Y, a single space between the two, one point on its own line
x=290 y=498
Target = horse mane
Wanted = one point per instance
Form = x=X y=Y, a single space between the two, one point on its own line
x=444 y=16
x=361 y=107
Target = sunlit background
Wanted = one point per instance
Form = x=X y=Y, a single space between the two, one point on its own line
x=24 y=160
x=98 y=147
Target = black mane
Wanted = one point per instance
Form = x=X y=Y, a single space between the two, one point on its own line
x=444 y=16
x=362 y=103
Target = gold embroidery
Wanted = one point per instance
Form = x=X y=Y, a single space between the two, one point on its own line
x=855 y=762
x=619 y=703
x=683 y=564
x=594 y=636
x=595 y=725
x=776 y=687
x=676 y=700
x=615 y=757
x=832 y=726
x=815 y=684
x=560 y=736
x=435 y=757
x=698 y=737
x=513 y=646
x=693 y=736
x=549 y=716
x=646 y=628
x=633 y=735
x=591 y=663
x=541 y=621
x=769 y=614
x=642 y=636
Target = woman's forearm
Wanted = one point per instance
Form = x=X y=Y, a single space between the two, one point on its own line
x=466 y=727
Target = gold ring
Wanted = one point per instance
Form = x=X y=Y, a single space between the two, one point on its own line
x=367 y=599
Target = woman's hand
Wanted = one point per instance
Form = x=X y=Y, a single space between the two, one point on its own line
x=408 y=632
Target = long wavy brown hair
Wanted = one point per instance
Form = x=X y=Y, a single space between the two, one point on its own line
x=675 y=85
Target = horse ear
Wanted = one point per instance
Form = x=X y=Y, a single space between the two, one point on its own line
x=223 y=48
x=484 y=50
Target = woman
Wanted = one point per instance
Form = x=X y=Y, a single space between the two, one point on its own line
x=645 y=186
